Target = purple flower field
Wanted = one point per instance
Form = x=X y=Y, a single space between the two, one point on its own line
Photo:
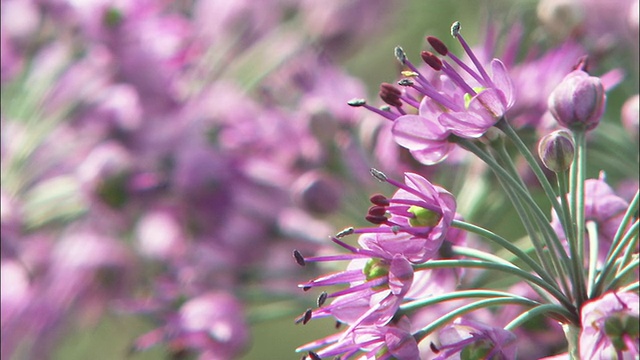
x=340 y=179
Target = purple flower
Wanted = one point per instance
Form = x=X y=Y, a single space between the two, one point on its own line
x=413 y=222
x=472 y=340
x=578 y=101
x=392 y=341
x=377 y=286
x=464 y=103
x=610 y=327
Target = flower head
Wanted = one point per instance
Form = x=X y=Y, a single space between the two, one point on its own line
x=465 y=101
x=610 y=327
x=392 y=341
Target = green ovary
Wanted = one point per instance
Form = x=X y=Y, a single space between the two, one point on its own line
x=423 y=217
x=468 y=97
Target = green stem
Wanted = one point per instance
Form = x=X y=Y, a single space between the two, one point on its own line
x=507 y=245
x=443 y=320
x=411 y=306
x=570 y=233
x=624 y=272
x=536 y=311
x=572 y=333
x=578 y=171
x=634 y=286
x=592 y=229
x=481 y=255
x=625 y=244
x=551 y=238
x=526 y=219
x=529 y=278
x=506 y=128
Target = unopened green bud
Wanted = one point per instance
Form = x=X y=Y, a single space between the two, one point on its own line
x=556 y=151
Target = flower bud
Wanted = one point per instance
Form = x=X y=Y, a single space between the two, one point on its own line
x=556 y=151
x=317 y=192
x=578 y=101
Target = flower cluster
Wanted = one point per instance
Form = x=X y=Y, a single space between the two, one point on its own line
x=578 y=269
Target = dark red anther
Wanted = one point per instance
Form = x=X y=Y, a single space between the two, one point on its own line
x=390 y=88
x=434 y=348
x=379 y=199
x=431 y=60
x=338 y=325
x=306 y=288
x=314 y=356
x=438 y=45
x=389 y=94
x=377 y=210
x=299 y=258
x=322 y=298
x=307 y=316
x=378 y=220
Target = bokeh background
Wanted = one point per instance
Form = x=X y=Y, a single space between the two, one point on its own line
x=155 y=152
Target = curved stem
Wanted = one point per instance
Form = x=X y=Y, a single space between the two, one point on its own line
x=443 y=320
x=506 y=128
x=529 y=278
x=625 y=244
x=624 y=272
x=481 y=255
x=551 y=238
x=525 y=217
x=500 y=241
x=408 y=307
x=536 y=311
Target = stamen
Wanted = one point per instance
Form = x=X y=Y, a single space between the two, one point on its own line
x=431 y=60
x=376 y=219
x=438 y=45
x=455 y=32
x=455 y=29
x=389 y=94
x=322 y=298
x=357 y=102
x=431 y=92
x=379 y=199
x=299 y=258
x=338 y=325
x=407 y=73
x=377 y=210
x=400 y=55
x=386 y=113
x=304 y=318
x=345 y=232
x=378 y=175
x=434 y=348
x=314 y=356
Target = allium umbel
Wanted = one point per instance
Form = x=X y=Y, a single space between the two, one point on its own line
x=452 y=99
x=408 y=269
x=578 y=102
